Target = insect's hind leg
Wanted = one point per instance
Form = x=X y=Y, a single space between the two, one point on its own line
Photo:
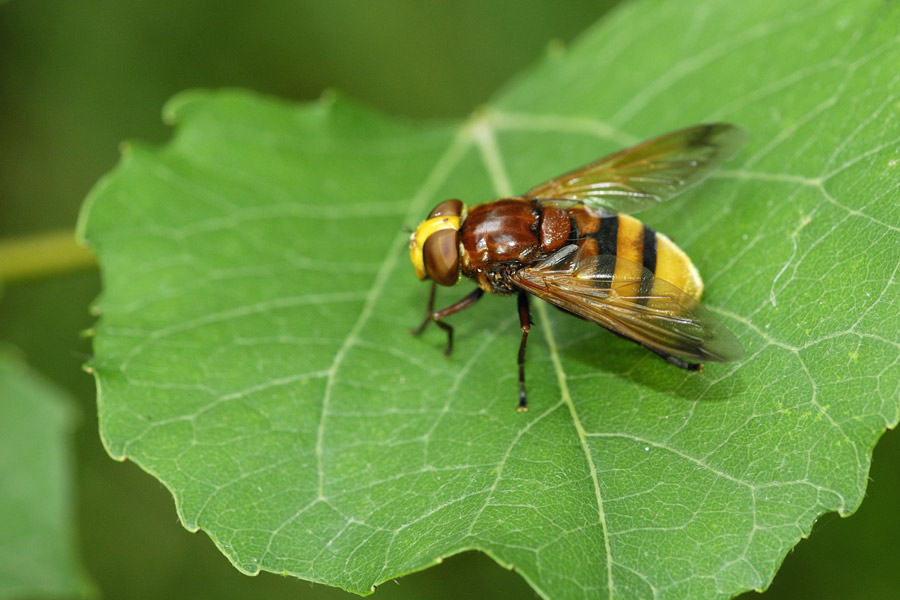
x=678 y=362
x=688 y=366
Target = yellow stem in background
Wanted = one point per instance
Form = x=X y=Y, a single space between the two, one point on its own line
x=43 y=254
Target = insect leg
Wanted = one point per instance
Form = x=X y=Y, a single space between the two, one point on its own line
x=446 y=312
x=429 y=311
x=689 y=366
x=676 y=361
x=525 y=324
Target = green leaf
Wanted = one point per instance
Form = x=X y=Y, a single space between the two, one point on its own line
x=253 y=352
x=37 y=544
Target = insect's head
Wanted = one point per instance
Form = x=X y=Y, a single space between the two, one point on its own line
x=434 y=246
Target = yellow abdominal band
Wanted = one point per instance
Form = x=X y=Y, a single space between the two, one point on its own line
x=423 y=232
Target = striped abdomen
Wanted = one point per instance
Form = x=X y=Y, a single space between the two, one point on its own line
x=626 y=237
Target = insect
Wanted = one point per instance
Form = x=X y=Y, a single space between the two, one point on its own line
x=569 y=242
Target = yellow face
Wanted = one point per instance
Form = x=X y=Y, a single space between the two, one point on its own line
x=424 y=231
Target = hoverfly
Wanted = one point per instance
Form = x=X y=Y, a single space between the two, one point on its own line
x=568 y=242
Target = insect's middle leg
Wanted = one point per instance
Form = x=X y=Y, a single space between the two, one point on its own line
x=437 y=316
x=525 y=324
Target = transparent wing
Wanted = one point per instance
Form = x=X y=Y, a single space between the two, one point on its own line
x=637 y=178
x=645 y=309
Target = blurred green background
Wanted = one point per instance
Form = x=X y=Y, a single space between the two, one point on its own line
x=77 y=78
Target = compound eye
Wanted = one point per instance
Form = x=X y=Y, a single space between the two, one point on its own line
x=442 y=257
x=447 y=208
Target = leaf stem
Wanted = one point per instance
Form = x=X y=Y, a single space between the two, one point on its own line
x=41 y=255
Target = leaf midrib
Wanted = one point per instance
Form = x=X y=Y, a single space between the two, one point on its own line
x=490 y=154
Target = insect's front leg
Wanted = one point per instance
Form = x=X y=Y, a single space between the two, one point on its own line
x=429 y=311
x=437 y=317
x=525 y=324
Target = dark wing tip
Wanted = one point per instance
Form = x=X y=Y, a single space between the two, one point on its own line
x=721 y=345
x=727 y=137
